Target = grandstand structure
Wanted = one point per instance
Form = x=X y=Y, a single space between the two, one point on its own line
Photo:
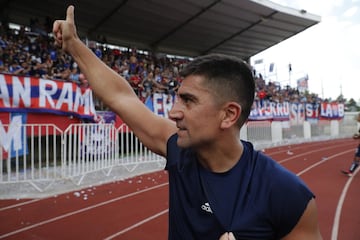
x=42 y=158
x=185 y=28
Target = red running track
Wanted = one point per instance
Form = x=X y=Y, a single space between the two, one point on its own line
x=136 y=208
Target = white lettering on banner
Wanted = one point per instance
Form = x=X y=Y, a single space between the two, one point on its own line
x=158 y=105
x=273 y=109
x=259 y=111
x=13 y=134
x=268 y=110
x=35 y=93
x=46 y=89
x=328 y=110
x=66 y=97
x=297 y=115
x=279 y=109
x=83 y=100
x=262 y=109
x=335 y=110
x=286 y=106
x=311 y=110
x=23 y=92
x=162 y=105
x=341 y=110
x=332 y=110
x=4 y=92
x=296 y=112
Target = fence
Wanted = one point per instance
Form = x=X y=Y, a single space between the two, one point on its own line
x=48 y=159
x=44 y=157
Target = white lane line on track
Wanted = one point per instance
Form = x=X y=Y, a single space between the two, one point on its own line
x=137 y=224
x=322 y=161
x=297 y=146
x=79 y=211
x=20 y=204
x=335 y=228
x=306 y=153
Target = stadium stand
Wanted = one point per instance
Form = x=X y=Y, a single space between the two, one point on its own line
x=30 y=53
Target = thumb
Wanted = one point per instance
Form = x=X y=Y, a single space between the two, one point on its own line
x=70 y=14
x=225 y=236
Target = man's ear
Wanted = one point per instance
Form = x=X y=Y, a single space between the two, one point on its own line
x=232 y=112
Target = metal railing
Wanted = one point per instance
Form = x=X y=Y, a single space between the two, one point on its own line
x=41 y=155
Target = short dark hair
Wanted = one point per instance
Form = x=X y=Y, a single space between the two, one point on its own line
x=229 y=77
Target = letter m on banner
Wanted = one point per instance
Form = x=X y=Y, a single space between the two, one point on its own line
x=12 y=140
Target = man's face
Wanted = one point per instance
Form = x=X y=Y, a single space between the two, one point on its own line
x=196 y=113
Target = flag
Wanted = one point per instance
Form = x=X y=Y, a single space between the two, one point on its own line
x=271 y=68
x=302 y=83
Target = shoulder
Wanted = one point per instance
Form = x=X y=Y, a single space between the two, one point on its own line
x=288 y=194
x=277 y=178
x=266 y=172
x=264 y=165
x=281 y=179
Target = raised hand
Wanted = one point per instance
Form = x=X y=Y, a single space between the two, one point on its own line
x=65 y=30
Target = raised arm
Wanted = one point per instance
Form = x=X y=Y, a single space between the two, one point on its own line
x=113 y=89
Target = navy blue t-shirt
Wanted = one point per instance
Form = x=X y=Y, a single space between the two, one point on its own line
x=256 y=199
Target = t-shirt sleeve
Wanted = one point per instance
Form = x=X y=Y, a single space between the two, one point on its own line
x=289 y=198
x=171 y=151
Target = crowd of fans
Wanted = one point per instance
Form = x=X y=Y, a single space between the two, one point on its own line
x=31 y=52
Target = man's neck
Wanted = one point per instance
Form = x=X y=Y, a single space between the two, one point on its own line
x=220 y=158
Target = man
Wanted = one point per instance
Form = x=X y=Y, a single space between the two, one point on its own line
x=220 y=187
x=356 y=160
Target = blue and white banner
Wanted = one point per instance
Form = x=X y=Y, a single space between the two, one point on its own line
x=160 y=104
x=296 y=113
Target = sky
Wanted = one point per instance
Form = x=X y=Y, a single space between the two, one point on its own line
x=328 y=52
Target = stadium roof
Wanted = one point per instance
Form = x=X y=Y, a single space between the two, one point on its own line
x=180 y=27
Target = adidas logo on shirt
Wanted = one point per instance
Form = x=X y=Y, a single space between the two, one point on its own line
x=206 y=207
